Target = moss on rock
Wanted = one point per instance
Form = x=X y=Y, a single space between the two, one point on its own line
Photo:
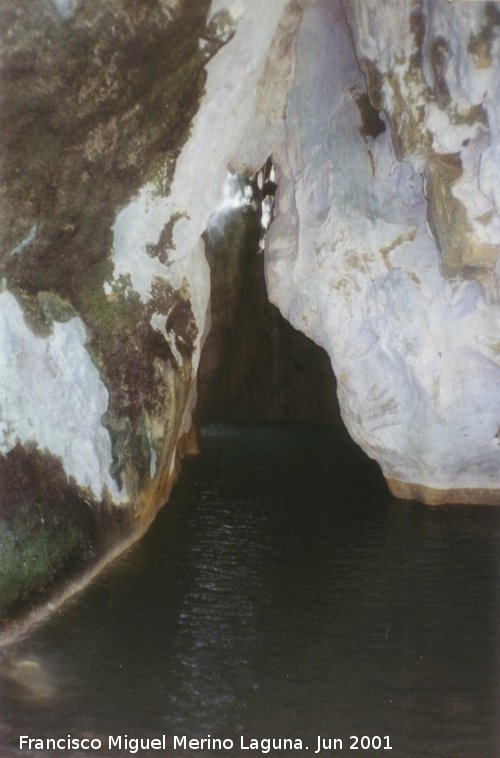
x=49 y=529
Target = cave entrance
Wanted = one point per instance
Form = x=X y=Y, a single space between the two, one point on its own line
x=254 y=365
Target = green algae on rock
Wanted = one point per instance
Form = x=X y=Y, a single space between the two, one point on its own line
x=49 y=528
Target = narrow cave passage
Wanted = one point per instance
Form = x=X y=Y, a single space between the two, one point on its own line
x=254 y=365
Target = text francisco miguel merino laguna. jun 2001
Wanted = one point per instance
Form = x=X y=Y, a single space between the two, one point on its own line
x=183 y=743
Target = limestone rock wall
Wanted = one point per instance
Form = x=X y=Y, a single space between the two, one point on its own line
x=437 y=81
x=385 y=245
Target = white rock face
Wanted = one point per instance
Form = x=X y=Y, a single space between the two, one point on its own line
x=51 y=394
x=231 y=128
x=438 y=68
x=351 y=263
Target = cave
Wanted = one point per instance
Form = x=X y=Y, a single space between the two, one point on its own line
x=254 y=365
x=249 y=319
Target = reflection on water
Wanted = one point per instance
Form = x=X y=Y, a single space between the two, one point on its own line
x=282 y=593
x=24 y=679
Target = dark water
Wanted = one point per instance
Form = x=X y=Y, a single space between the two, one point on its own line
x=282 y=593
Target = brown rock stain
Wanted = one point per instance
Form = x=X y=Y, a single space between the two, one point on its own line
x=452 y=496
x=408 y=236
x=439 y=54
x=480 y=44
x=460 y=250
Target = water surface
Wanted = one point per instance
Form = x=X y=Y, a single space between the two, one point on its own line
x=281 y=593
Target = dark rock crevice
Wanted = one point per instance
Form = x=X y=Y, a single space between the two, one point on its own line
x=254 y=365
